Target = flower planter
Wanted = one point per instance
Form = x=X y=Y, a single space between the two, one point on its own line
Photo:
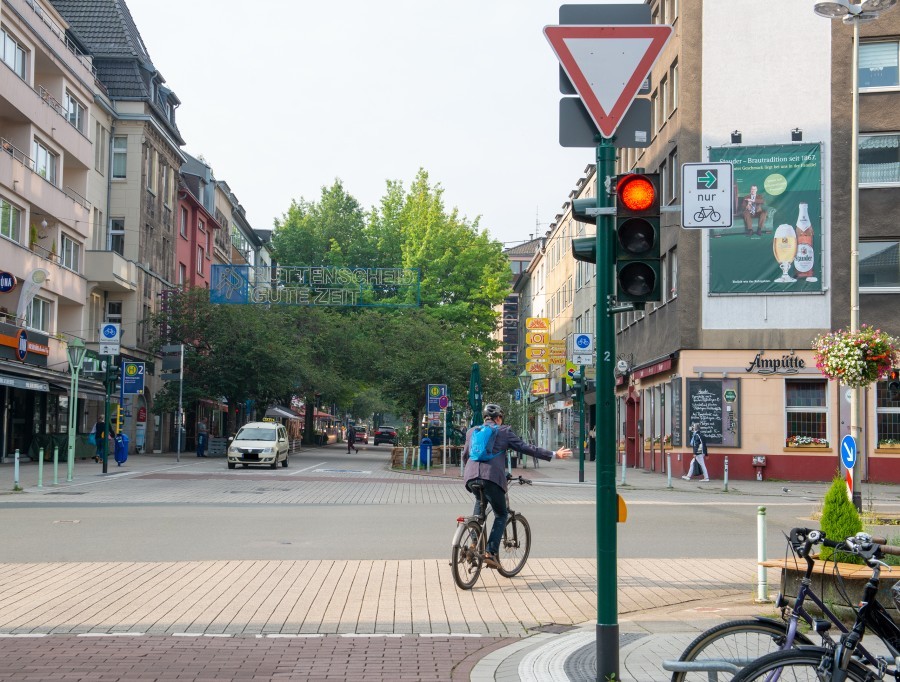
x=807 y=448
x=886 y=449
x=825 y=584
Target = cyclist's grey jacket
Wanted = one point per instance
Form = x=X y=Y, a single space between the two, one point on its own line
x=495 y=469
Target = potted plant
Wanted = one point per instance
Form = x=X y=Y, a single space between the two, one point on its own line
x=891 y=444
x=805 y=442
x=858 y=358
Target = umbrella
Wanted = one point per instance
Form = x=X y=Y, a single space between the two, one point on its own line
x=475 y=394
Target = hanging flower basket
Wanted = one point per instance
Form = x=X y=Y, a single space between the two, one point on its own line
x=856 y=359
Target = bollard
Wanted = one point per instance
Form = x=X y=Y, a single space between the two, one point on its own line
x=726 y=473
x=16 y=472
x=669 y=469
x=41 y=468
x=762 y=585
x=55 y=465
x=404 y=458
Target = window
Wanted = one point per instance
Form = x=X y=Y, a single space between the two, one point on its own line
x=878 y=265
x=673 y=11
x=879 y=159
x=878 y=65
x=674 y=176
x=673 y=84
x=206 y=244
x=672 y=274
x=117 y=236
x=664 y=288
x=75 y=112
x=664 y=99
x=114 y=312
x=10 y=220
x=806 y=405
x=71 y=254
x=46 y=162
x=119 y=156
x=182 y=273
x=887 y=417
x=101 y=140
x=182 y=227
x=167 y=176
x=12 y=53
x=199 y=260
x=664 y=190
x=654 y=112
x=38 y=315
x=151 y=169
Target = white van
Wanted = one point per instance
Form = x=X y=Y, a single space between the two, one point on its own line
x=259 y=443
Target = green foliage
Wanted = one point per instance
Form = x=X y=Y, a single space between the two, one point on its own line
x=839 y=520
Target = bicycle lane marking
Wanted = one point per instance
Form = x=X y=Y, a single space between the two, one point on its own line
x=300 y=471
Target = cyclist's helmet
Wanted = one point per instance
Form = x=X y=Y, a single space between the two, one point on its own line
x=492 y=410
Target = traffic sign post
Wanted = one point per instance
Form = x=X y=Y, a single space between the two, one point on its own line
x=848 y=459
x=707 y=199
x=433 y=396
x=607 y=66
x=132 y=378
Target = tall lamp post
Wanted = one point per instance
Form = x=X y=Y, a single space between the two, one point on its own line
x=75 y=351
x=850 y=13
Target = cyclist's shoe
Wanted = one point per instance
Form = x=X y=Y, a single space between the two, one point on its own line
x=491 y=561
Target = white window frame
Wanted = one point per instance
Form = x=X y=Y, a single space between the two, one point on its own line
x=120 y=153
x=182 y=227
x=199 y=260
x=38 y=314
x=75 y=111
x=826 y=409
x=880 y=88
x=114 y=312
x=46 y=161
x=116 y=233
x=182 y=273
x=863 y=171
x=71 y=253
x=879 y=289
x=10 y=220
x=880 y=389
x=13 y=54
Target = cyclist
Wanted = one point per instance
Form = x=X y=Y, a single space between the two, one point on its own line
x=492 y=473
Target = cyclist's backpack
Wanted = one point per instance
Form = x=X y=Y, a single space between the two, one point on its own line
x=482 y=444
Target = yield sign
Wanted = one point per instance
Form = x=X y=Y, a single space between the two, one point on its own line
x=607 y=65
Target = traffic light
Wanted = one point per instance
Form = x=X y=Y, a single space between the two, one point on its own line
x=584 y=248
x=894 y=385
x=119 y=419
x=638 y=276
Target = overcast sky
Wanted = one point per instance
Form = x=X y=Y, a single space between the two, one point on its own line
x=282 y=97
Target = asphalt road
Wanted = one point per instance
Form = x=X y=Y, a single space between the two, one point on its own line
x=661 y=523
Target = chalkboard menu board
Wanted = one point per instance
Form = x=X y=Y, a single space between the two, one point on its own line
x=676 y=412
x=714 y=404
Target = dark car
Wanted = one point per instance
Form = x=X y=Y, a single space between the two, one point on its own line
x=386 y=434
x=362 y=436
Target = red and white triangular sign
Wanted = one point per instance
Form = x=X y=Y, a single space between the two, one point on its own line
x=607 y=65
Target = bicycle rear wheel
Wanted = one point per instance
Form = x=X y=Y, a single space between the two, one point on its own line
x=515 y=545
x=466 y=556
x=798 y=665
x=737 y=642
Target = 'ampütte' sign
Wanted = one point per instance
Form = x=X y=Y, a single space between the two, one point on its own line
x=320 y=285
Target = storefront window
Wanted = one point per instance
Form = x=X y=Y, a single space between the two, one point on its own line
x=887 y=417
x=806 y=404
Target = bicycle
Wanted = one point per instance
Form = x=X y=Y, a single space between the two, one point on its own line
x=705 y=213
x=848 y=659
x=470 y=538
x=724 y=649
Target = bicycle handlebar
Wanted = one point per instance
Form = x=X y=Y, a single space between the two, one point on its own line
x=521 y=479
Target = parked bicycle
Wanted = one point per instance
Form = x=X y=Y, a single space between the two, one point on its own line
x=470 y=539
x=847 y=659
x=720 y=652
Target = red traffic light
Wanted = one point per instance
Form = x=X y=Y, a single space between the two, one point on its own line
x=636 y=192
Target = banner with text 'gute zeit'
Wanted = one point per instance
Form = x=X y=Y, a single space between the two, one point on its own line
x=775 y=242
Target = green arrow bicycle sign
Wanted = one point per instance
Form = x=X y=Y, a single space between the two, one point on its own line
x=708 y=199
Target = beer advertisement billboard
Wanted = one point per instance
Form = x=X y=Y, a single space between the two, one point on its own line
x=774 y=245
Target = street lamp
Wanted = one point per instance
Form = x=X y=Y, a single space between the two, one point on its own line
x=75 y=351
x=850 y=13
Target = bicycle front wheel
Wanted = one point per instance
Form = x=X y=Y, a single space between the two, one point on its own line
x=466 y=556
x=798 y=665
x=514 y=546
x=738 y=642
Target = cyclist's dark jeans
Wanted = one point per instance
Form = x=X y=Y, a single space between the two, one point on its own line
x=496 y=497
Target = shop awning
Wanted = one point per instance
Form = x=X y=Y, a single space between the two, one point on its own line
x=281 y=413
x=84 y=393
x=21 y=382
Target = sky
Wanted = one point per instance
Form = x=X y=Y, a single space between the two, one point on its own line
x=281 y=97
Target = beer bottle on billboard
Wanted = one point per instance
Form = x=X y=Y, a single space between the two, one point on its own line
x=806 y=257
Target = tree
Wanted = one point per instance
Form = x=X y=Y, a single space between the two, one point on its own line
x=839 y=520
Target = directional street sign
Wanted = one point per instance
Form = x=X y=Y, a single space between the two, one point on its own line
x=848 y=451
x=707 y=195
x=110 y=333
x=132 y=378
x=607 y=65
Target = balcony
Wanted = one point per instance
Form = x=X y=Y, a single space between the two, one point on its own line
x=54 y=34
x=110 y=270
x=69 y=287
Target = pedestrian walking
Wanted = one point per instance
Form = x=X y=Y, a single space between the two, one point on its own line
x=100 y=434
x=698 y=464
x=351 y=439
x=202 y=438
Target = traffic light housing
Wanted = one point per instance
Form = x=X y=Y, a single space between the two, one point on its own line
x=893 y=386
x=585 y=249
x=119 y=419
x=638 y=263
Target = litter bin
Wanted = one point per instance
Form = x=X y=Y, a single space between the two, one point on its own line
x=121 y=449
x=425 y=452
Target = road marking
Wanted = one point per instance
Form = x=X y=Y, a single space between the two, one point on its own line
x=300 y=471
x=374 y=634
x=278 y=635
x=111 y=634
x=27 y=634
x=341 y=471
x=199 y=634
x=449 y=634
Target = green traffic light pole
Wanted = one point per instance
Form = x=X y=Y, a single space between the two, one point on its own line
x=607 y=645
x=580 y=397
x=110 y=383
